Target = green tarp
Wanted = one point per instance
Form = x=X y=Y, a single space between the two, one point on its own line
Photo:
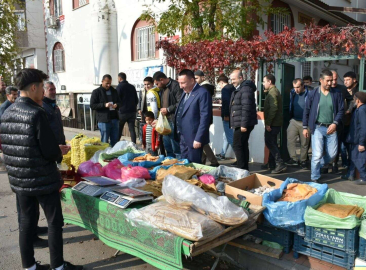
x=158 y=248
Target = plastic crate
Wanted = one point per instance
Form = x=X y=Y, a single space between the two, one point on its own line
x=297 y=229
x=273 y=234
x=324 y=253
x=362 y=249
x=346 y=240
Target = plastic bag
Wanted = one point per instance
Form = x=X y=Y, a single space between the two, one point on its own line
x=134 y=182
x=134 y=172
x=318 y=219
x=207 y=179
x=162 y=126
x=185 y=223
x=289 y=213
x=178 y=192
x=89 y=168
x=113 y=170
x=127 y=158
x=229 y=173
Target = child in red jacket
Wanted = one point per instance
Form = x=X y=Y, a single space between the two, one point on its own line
x=150 y=138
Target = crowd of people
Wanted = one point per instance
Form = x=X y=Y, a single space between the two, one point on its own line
x=329 y=117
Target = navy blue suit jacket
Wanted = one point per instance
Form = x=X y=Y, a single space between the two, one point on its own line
x=196 y=118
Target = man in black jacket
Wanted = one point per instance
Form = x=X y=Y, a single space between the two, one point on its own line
x=30 y=153
x=243 y=116
x=170 y=94
x=129 y=100
x=106 y=102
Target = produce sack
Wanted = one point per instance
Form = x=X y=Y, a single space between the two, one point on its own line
x=89 y=168
x=134 y=172
x=184 y=195
x=162 y=126
x=229 y=173
x=182 y=172
x=113 y=170
x=185 y=223
x=318 y=219
x=154 y=170
x=120 y=148
x=282 y=214
x=127 y=158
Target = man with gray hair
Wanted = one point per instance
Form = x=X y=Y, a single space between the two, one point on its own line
x=298 y=96
x=53 y=112
x=11 y=95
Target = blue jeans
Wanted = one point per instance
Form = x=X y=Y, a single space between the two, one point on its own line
x=325 y=148
x=225 y=145
x=109 y=131
x=228 y=132
x=171 y=146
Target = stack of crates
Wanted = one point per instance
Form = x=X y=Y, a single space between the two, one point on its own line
x=336 y=246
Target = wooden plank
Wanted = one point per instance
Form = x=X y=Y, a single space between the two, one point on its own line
x=196 y=250
x=257 y=248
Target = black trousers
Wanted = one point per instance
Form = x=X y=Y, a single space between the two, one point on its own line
x=18 y=210
x=51 y=205
x=241 y=147
x=130 y=119
x=270 y=139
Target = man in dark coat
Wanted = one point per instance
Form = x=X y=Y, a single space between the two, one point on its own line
x=243 y=116
x=356 y=139
x=105 y=101
x=129 y=101
x=30 y=153
x=11 y=95
x=192 y=117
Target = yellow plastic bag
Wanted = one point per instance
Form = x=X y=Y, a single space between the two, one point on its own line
x=163 y=127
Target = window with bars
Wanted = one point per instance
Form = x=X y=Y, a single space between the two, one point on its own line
x=145 y=43
x=279 y=21
x=58 y=58
x=306 y=69
x=79 y=3
x=20 y=20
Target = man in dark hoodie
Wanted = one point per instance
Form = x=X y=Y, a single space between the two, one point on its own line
x=243 y=116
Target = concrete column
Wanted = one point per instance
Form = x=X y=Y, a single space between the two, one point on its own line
x=104 y=39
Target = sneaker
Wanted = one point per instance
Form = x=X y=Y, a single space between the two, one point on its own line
x=281 y=167
x=69 y=266
x=40 y=243
x=42 y=230
x=360 y=182
x=40 y=266
x=267 y=167
x=346 y=177
x=292 y=162
x=304 y=165
x=324 y=170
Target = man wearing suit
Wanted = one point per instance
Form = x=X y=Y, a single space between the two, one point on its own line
x=192 y=117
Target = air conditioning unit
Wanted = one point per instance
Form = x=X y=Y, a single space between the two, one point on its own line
x=52 y=22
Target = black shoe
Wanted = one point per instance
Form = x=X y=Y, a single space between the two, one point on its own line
x=281 y=167
x=360 y=182
x=346 y=177
x=69 y=266
x=42 y=230
x=215 y=165
x=40 y=266
x=292 y=162
x=234 y=164
x=304 y=165
x=40 y=243
x=324 y=170
x=267 y=167
x=335 y=168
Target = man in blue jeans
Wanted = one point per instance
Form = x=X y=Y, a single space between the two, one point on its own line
x=170 y=94
x=105 y=101
x=323 y=111
x=226 y=91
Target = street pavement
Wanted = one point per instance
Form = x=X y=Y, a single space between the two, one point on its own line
x=82 y=247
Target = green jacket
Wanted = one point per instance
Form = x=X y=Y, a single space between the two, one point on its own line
x=273 y=108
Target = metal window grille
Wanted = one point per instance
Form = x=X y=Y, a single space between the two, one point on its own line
x=306 y=69
x=82 y=3
x=279 y=21
x=57 y=8
x=145 y=43
x=20 y=21
x=59 y=60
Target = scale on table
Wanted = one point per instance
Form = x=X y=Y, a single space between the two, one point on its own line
x=88 y=189
x=101 y=180
x=121 y=200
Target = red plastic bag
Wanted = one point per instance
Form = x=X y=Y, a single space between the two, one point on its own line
x=89 y=168
x=207 y=179
x=113 y=169
x=134 y=172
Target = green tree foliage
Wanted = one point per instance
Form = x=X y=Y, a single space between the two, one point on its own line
x=8 y=31
x=199 y=20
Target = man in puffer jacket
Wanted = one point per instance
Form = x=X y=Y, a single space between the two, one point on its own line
x=30 y=154
x=243 y=116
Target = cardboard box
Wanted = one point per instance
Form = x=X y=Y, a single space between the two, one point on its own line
x=256 y=180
